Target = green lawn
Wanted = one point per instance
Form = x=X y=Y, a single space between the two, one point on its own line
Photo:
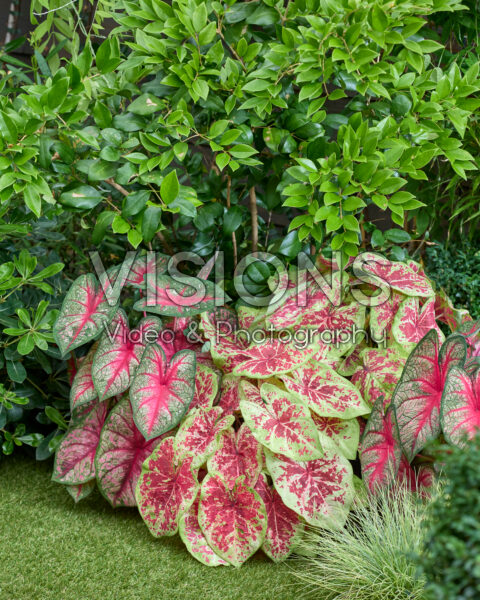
x=52 y=549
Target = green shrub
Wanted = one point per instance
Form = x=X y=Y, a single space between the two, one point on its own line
x=451 y=558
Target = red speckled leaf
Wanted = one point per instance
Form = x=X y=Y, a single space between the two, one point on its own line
x=412 y=324
x=284 y=527
x=233 y=521
x=352 y=360
x=378 y=373
x=273 y=358
x=325 y=392
x=81 y=491
x=251 y=318
x=340 y=435
x=418 y=394
x=380 y=450
x=230 y=394
x=119 y=353
x=199 y=434
x=444 y=310
x=206 y=387
x=321 y=491
x=166 y=489
x=83 y=391
x=120 y=455
x=237 y=454
x=382 y=316
x=460 y=413
x=283 y=424
x=172 y=338
x=75 y=457
x=195 y=541
x=85 y=312
x=221 y=321
x=397 y=275
x=161 y=393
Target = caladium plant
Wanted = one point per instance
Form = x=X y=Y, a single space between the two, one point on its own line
x=238 y=445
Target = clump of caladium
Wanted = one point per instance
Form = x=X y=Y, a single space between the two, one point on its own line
x=236 y=428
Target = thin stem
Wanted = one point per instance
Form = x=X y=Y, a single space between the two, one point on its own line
x=253 y=210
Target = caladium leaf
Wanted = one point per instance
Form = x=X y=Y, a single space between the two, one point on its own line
x=380 y=450
x=172 y=338
x=83 y=391
x=444 y=310
x=349 y=364
x=284 y=527
x=237 y=454
x=199 y=434
x=471 y=332
x=120 y=455
x=412 y=324
x=416 y=481
x=418 y=394
x=321 y=491
x=382 y=317
x=206 y=387
x=84 y=313
x=460 y=413
x=341 y=435
x=233 y=520
x=397 y=275
x=75 y=457
x=165 y=490
x=177 y=297
x=119 y=353
x=273 y=358
x=251 y=318
x=160 y=392
x=230 y=394
x=325 y=392
x=81 y=491
x=195 y=541
x=282 y=423
x=220 y=322
x=228 y=352
x=378 y=373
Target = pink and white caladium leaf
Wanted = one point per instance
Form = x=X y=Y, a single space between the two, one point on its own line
x=341 y=435
x=411 y=323
x=321 y=491
x=220 y=322
x=444 y=310
x=166 y=489
x=75 y=456
x=181 y=296
x=460 y=413
x=238 y=453
x=284 y=527
x=230 y=394
x=193 y=538
x=378 y=373
x=325 y=392
x=418 y=395
x=175 y=336
x=206 y=387
x=348 y=365
x=161 y=392
x=380 y=449
x=470 y=330
x=383 y=315
x=83 y=391
x=199 y=434
x=233 y=521
x=120 y=455
x=416 y=480
x=283 y=424
x=273 y=358
x=251 y=318
x=119 y=353
x=84 y=313
x=81 y=491
x=399 y=276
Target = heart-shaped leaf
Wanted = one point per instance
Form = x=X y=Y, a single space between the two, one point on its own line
x=206 y=387
x=83 y=391
x=81 y=491
x=460 y=413
x=378 y=373
x=230 y=394
x=411 y=324
x=340 y=435
x=272 y=358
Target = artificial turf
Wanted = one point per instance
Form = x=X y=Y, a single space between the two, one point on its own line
x=52 y=549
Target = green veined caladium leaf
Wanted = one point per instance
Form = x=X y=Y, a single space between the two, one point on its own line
x=340 y=435
x=238 y=454
x=261 y=361
x=378 y=373
x=120 y=454
x=233 y=520
x=165 y=490
x=325 y=392
x=199 y=434
x=282 y=423
x=81 y=491
x=284 y=527
x=83 y=391
x=460 y=414
x=321 y=490
x=119 y=353
x=417 y=397
x=380 y=450
x=75 y=457
x=411 y=323
x=84 y=313
x=193 y=538
x=206 y=387
x=161 y=393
